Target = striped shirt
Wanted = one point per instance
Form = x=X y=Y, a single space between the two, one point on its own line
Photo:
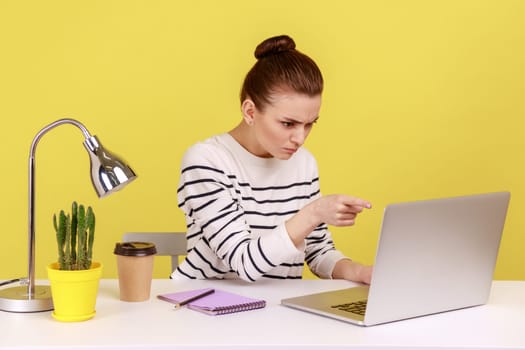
x=235 y=206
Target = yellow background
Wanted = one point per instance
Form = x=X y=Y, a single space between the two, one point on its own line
x=423 y=99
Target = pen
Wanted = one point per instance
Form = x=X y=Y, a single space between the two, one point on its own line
x=193 y=298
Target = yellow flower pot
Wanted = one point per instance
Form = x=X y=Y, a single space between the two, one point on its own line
x=74 y=292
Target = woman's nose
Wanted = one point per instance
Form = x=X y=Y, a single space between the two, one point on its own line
x=299 y=136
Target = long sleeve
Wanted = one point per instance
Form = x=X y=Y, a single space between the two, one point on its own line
x=321 y=255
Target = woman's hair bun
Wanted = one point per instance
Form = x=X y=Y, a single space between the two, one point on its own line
x=274 y=45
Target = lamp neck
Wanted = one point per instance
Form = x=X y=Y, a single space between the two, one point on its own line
x=45 y=129
x=31 y=214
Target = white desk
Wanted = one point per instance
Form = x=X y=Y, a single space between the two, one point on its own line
x=154 y=324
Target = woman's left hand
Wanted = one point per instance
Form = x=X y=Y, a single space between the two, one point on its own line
x=352 y=271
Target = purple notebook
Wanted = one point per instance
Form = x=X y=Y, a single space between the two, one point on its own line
x=217 y=303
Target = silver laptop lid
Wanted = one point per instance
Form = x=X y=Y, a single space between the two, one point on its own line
x=435 y=255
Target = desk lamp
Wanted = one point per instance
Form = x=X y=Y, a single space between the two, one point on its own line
x=108 y=174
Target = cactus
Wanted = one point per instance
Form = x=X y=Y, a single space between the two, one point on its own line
x=75 y=234
x=74 y=221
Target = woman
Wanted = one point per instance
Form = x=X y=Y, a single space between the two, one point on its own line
x=251 y=196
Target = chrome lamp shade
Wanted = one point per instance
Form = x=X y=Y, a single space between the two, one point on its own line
x=108 y=174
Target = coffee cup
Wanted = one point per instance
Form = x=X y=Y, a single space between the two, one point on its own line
x=135 y=269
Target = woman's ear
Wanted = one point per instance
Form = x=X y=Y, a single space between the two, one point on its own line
x=248 y=111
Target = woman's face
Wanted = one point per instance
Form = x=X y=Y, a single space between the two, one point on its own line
x=284 y=124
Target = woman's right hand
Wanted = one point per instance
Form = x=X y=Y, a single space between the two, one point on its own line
x=335 y=210
x=338 y=209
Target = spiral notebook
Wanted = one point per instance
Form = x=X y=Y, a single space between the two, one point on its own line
x=217 y=303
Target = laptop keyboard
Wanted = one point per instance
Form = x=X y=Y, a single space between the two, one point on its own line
x=357 y=307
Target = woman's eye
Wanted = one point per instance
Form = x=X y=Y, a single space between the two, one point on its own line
x=287 y=124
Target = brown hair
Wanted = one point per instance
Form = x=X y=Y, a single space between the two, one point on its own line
x=280 y=66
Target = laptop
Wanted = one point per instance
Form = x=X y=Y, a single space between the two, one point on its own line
x=433 y=256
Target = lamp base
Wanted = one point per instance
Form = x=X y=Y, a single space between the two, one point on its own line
x=16 y=299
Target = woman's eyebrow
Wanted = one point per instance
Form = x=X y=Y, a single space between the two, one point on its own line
x=292 y=120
